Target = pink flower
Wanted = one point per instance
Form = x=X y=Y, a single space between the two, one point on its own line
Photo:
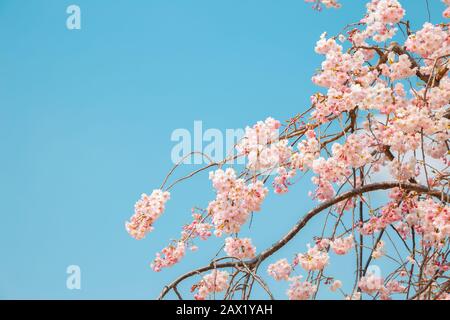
x=379 y=250
x=239 y=248
x=428 y=41
x=282 y=181
x=169 y=256
x=299 y=290
x=401 y=69
x=355 y=152
x=446 y=14
x=335 y=285
x=370 y=283
x=146 y=211
x=342 y=246
x=381 y=16
x=403 y=170
x=197 y=228
x=280 y=270
x=391 y=287
x=235 y=200
x=262 y=147
x=216 y=281
x=314 y=259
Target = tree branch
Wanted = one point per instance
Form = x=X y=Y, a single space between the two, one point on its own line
x=302 y=222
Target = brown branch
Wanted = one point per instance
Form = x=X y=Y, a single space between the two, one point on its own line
x=302 y=222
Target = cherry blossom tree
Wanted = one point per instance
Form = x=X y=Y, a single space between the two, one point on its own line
x=379 y=124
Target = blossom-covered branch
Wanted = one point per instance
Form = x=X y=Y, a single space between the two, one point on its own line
x=379 y=124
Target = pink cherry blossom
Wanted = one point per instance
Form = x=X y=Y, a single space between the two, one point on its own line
x=337 y=284
x=241 y=248
x=313 y=259
x=380 y=18
x=216 y=281
x=169 y=256
x=427 y=41
x=300 y=290
x=378 y=252
x=235 y=200
x=146 y=211
x=342 y=245
x=370 y=283
x=280 y=270
x=374 y=143
x=263 y=147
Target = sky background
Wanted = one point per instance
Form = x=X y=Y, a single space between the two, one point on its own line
x=86 y=118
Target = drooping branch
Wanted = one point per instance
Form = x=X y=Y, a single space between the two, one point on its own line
x=420 y=189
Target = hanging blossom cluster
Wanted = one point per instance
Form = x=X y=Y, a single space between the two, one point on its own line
x=314 y=259
x=300 y=290
x=280 y=270
x=427 y=218
x=373 y=284
x=263 y=147
x=146 y=211
x=235 y=200
x=169 y=256
x=375 y=144
x=216 y=281
x=342 y=246
x=381 y=17
x=175 y=251
x=239 y=248
x=378 y=252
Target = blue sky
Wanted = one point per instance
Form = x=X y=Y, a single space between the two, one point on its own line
x=86 y=118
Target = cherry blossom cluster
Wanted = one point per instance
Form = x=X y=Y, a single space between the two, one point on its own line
x=380 y=18
x=280 y=270
x=378 y=252
x=428 y=217
x=314 y=259
x=262 y=146
x=403 y=68
x=372 y=284
x=216 y=281
x=429 y=42
x=235 y=200
x=383 y=114
x=169 y=256
x=282 y=181
x=173 y=254
x=355 y=153
x=300 y=290
x=342 y=246
x=197 y=228
x=446 y=13
x=390 y=288
x=240 y=248
x=146 y=211
x=308 y=151
x=337 y=284
x=432 y=220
